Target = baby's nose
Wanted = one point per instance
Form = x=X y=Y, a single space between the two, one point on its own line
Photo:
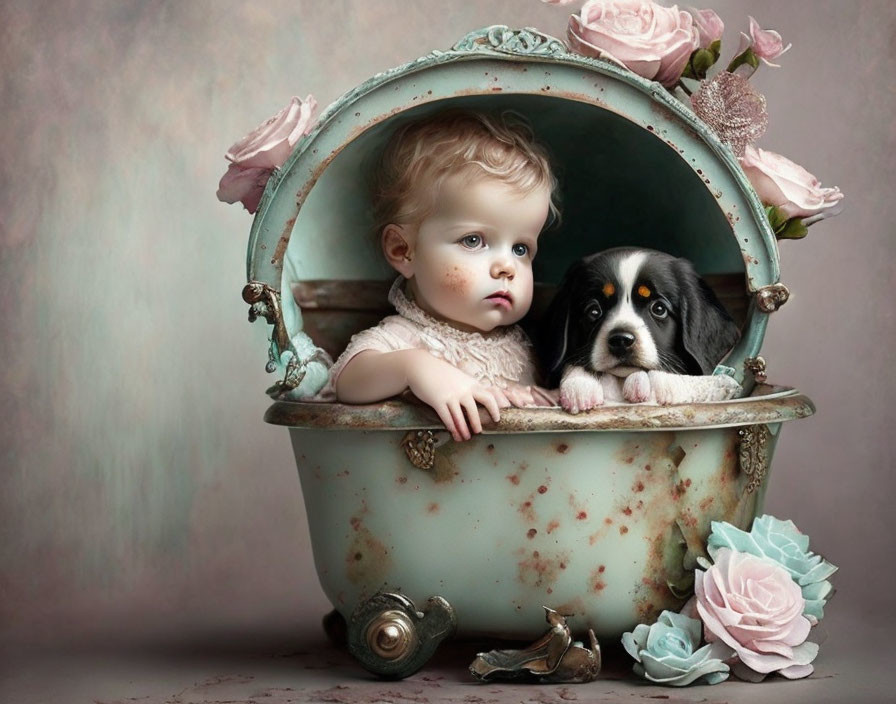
x=503 y=268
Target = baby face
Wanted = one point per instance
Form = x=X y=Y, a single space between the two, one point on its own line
x=471 y=257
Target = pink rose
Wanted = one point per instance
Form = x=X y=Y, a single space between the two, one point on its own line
x=653 y=41
x=756 y=608
x=767 y=43
x=267 y=147
x=709 y=26
x=789 y=187
x=244 y=185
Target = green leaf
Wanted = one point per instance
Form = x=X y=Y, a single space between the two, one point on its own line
x=776 y=218
x=689 y=67
x=793 y=230
x=716 y=49
x=748 y=57
x=701 y=61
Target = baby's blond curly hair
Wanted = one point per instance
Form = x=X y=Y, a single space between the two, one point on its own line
x=422 y=154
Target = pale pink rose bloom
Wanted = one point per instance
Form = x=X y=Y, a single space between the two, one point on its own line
x=789 y=187
x=254 y=158
x=244 y=185
x=269 y=144
x=756 y=608
x=767 y=43
x=709 y=26
x=653 y=41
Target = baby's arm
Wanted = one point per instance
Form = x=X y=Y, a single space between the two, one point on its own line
x=373 y=376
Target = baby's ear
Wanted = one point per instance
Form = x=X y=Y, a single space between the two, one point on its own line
x=398 y=249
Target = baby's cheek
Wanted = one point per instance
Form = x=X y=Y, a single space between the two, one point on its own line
x=456 y=281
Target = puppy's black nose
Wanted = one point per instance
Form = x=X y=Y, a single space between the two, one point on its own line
x=620 y=342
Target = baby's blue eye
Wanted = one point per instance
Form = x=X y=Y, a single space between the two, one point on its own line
x=471 y=241
x=521 y=250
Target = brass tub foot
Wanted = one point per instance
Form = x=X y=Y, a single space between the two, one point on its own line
x=390 y=638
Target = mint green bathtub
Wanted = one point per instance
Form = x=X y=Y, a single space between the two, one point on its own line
x=601 y=515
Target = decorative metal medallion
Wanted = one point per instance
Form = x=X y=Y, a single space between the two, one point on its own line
x=754 y=455
x=390 y=638
x=554 y=658
x=770 y=298
x=504 y=40
x=756 y=367
x=420 y=447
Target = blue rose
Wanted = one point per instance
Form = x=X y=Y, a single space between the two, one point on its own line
x=667 y=652
x=782 y=542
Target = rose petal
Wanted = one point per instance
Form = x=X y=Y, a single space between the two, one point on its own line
x=244 y=185
x=796 y=672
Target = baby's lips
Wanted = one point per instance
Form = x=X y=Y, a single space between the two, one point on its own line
x=502 y=298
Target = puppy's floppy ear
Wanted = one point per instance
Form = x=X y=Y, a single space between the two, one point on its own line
x=552 y=341
x=708 y=332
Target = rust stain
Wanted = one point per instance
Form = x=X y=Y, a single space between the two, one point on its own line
x=367 y=560
x=623 y=530
x=541 y=570
x=531 y=533
x=542 y=489
x=552 y=526
x=432 y=508
x=571 y=607
x=283 y=242
x=596 y=581
x=528 y=512
x=562 y=448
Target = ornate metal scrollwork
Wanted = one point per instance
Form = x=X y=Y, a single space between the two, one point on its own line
x=754 y=454
x=420 y=447
x=554 y=658
x=770 y=298
x=264 y=302
x=390 y=638
x=504 y=40
x=756 y=367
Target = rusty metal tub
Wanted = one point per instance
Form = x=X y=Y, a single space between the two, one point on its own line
x=601 y=515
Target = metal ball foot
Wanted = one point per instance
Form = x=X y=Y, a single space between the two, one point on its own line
x=390 y=638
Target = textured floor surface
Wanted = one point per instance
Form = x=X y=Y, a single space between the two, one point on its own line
x=277 y=664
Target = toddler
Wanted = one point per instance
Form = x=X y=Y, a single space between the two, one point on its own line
x=460 y=200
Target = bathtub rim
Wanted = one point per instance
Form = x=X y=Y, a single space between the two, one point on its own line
x=766 y=405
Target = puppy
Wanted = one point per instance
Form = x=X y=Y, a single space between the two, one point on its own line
x=635 y=325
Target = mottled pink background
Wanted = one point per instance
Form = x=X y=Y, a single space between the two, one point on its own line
x=140 y=487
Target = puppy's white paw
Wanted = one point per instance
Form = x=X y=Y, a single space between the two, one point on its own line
x=580 y=390
x=668 y=388
x=636 y=388
x=724 y=388
x=678 y=388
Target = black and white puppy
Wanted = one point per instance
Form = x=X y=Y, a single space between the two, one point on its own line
x=635 y=325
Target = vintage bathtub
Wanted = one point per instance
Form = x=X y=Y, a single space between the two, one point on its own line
x=600 y=515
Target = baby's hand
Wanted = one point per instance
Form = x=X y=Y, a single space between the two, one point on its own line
x=531 y=396
x=453 y=395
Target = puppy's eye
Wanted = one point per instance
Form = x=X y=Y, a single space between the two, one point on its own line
x=593 y=311
x=659 y=310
